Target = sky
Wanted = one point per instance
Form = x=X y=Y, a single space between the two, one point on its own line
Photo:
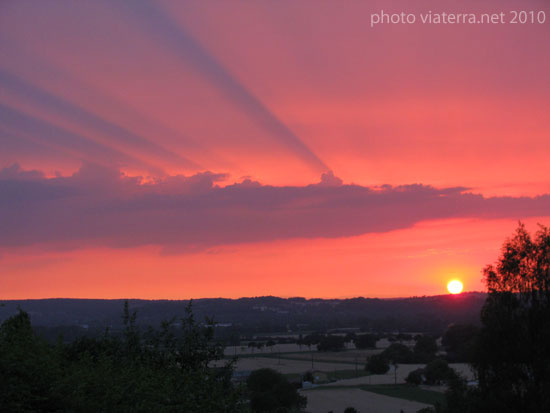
x=174 y=150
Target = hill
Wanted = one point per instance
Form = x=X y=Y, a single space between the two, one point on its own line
x=263 y=314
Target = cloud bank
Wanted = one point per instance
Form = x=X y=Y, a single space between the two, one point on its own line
x=98 y=206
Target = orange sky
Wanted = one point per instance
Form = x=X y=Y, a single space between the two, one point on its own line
x=182 y=149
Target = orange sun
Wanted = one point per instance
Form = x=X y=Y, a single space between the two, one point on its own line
x=455 y=286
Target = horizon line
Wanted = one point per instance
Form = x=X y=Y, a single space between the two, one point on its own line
x=241 y=298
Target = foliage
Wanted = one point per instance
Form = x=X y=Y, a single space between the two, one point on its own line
x=438 y=371
x=377 y=364
x=270 y=391
x=513 y=355
x=350 y=337
x=461 y=398
x=331 y=343
x=350 y=410
x=364 y=341
x=424 y=349
x=398 y=353
x=459 y=342
x=308 y=376
x=311 y=339
x=415 y=377
x=28 y=368
x=134 y=371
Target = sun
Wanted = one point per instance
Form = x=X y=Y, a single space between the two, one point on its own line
x=455 y=286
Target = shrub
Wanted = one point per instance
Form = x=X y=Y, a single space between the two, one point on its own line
x=377 y=364
x=415 y=377
x=270 y=391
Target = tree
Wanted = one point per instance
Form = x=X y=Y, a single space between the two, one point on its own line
x=160 y=370
x=425 y=349
x=270 y=344
x=512 y=359
x=350 y=337
x=364 y=341
x=459 y=342
x=308 y=376
x=377 y=364
x=415 y=377
x=331 y=343
x=270 y=391
x=438 y=371
x=28 y=368
x=312 y=339
x=398 y=353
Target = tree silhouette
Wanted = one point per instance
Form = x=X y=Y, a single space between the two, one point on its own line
x=513 y=355
x=164 y=370
x=270 y=391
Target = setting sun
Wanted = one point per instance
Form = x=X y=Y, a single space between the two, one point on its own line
x=455 y=287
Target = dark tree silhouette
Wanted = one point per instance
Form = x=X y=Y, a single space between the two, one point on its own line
x=270 y=391
x=459 y=342
x=363 y=341
x=165 y=370
x=438 y=371
x=425 y=349
x=415 y=377
x=398 y=353
x=512 y=353
x=377 y=364
x=331 y=343
x=513 y=357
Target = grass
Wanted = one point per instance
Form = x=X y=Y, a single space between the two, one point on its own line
x=407 y=392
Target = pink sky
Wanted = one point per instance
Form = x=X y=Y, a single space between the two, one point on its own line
x=199 y=149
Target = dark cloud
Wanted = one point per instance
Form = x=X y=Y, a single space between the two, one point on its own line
x=98 y=206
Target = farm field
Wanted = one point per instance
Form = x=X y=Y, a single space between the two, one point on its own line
x=295 y=348
x=323 y=400
x=350 y=356
x=341 y=379
x=402 y=372
x=286 y=366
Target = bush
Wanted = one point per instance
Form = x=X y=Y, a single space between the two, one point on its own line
x=157 y=371
x=364 y=341
x=308 y=376
x=459 y=342
x=438 y=371
x=415 y=377
x=377 y=364
x=331 y=343
x=425 y=349
x=270 y=391
x=398 y=353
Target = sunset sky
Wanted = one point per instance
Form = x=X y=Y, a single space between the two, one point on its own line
x=185 y=149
